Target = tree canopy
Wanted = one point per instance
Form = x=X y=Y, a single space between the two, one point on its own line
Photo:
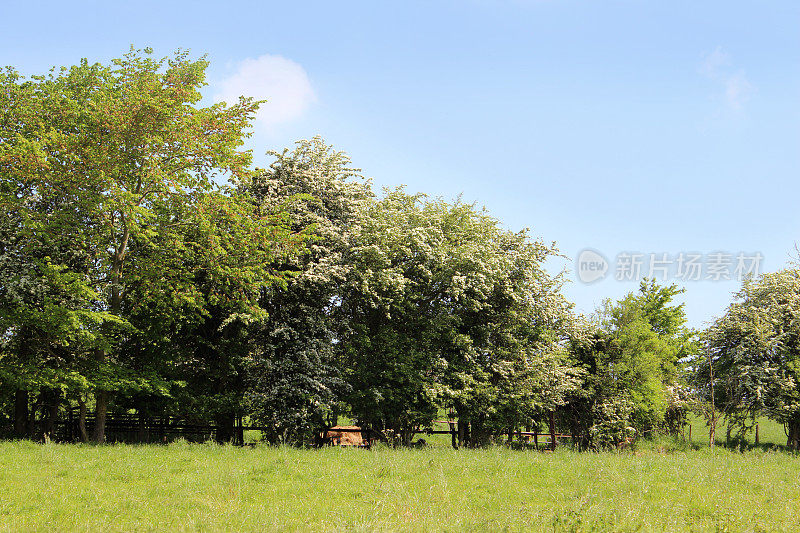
x=146 y=268
x=450 y=311
x=633 y=355
x=108 y=180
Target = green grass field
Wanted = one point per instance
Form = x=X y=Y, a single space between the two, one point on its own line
x=182 y=487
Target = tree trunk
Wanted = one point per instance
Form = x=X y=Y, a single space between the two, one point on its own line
x=575 y=431
x=50 y=399
x=141 y=435
x=82 y=420
x=793 y=440
x=37 y=403
x=463 y=432
x=102 y=396
x=406 y=437
x=712 y=432
x=553 y=430
x=225 y=425
x=480 y=437
x=239 y=431
x=21 y=414
x=101 y=409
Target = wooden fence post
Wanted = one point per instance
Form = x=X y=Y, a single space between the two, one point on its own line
x=553 y=430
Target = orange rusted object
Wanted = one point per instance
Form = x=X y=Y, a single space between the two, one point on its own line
x=344 y=436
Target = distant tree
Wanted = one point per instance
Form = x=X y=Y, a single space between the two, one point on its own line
x=755 y=352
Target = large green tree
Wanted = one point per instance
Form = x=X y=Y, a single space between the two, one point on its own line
x=450 y=311
x=633 y=354
x=48 y=314
x=115 y=162
x=294 y=378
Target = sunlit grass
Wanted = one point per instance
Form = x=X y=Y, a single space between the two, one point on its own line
x=211 y=488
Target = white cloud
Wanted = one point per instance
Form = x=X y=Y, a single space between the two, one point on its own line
x=737 y=89
x=280 y=81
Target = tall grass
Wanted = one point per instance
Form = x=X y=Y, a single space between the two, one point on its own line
x=184 y=487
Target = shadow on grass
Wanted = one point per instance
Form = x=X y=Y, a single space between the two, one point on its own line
x=667 y=444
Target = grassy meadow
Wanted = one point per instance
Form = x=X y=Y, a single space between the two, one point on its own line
x=661 y=486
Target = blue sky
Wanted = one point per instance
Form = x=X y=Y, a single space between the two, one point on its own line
x=621 y=126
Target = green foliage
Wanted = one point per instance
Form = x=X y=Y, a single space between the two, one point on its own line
x=131 y=278
x=754 y=351
x=450 y=311
x=118 y=230
x=635 y=381
x=612 y=419
x=295 y=380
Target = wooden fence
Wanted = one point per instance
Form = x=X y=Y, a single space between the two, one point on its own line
x=548 y=440
x=134 y=428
